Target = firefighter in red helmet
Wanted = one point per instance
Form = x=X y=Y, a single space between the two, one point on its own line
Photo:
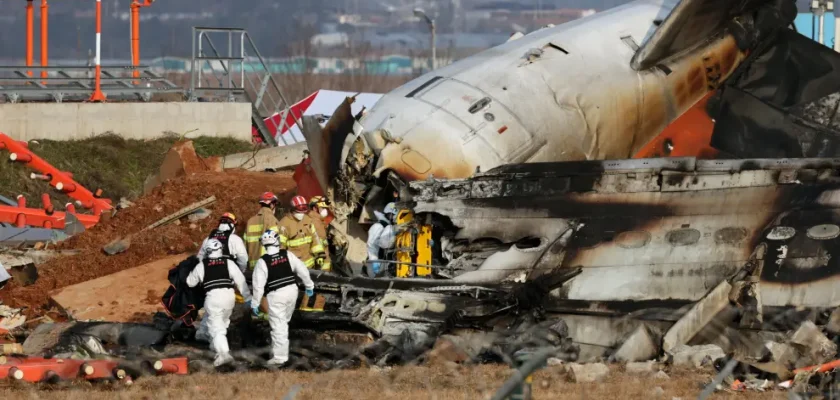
x=299 y=235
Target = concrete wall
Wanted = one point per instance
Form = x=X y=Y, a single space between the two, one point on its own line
x=271 y=158
x=66 y=121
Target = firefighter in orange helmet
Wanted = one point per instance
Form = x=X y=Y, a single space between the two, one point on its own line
x=259 y=223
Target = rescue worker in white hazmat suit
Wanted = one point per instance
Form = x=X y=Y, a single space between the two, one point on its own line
x=218 y=275
x=381 y=236
x=232 y=244
x=233 y=247
x=274 y=276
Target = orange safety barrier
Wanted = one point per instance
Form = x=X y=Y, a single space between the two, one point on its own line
x=177 y=366
x=37 y=369
x=44 y=218
x=819 y=368
x=62 y=181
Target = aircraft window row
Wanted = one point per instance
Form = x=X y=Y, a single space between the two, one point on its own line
x=816 y=232
x=723 y=236
x=681 y=237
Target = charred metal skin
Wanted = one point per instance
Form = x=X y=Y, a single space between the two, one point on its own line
x=423 y=309
x=652 y=229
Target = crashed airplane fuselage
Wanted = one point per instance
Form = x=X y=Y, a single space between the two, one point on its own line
x=495 y=160
x=584 y=90
x=597 y=88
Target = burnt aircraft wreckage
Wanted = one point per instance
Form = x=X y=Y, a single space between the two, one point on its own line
x=610 y=246
x=519 y=198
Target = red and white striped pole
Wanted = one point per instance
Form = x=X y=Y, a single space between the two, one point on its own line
x=97 y=91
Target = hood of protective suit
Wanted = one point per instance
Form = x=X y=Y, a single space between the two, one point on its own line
x=381 y=217
x=216 y=254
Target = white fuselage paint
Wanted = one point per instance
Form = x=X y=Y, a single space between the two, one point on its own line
x=578 y=99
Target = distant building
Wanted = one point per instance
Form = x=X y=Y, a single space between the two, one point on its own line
x=808 y=25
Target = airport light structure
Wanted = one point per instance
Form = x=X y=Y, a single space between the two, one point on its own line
x=97 y=90
x=136 y=5
x=30 y=26
x=419 y=13
x=44 y=36
x=29 y=34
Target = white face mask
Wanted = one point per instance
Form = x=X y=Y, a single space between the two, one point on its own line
x=225 y=227
x=298 y=216
x=323 y=212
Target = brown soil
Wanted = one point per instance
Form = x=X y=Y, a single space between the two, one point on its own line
x=235 y=191
x=404 y=383
x=152 y=297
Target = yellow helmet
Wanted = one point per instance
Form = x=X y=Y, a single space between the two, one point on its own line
x=319 y=201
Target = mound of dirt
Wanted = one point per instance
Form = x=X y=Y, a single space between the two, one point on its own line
x=235 y=191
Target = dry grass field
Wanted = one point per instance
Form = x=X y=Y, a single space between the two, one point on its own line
x=403 y=383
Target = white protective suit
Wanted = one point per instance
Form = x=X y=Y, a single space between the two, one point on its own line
x=4 y=275
x=218 y=304
x=236 y=248
x=380 y=237
x=281 y=302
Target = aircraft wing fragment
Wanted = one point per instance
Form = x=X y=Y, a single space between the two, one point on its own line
x=692 y=22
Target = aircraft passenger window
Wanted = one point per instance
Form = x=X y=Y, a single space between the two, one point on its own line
x=824 y=232
x=781 y=233
x=730 y=235
x=632 y=239
x=683 y=237
x=423 y=86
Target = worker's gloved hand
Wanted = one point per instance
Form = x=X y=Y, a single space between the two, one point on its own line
x=255 y=307
x=310 y=292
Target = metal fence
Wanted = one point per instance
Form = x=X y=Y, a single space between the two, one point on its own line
x=75 y=83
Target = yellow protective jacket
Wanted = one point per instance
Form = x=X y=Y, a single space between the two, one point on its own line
x=321 y=229
x=263 y=221
x=301 y=238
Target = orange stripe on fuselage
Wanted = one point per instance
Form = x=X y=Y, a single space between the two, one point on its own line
x=690 y=135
